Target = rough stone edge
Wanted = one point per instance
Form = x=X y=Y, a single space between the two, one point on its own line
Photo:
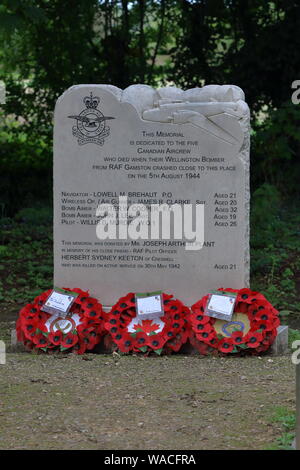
x=135 y=94
x=245 y=157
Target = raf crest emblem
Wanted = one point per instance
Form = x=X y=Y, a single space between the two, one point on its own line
x=91 y=123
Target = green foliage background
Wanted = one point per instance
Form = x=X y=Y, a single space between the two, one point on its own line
x=48 y=45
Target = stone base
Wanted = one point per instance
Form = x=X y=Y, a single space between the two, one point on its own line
x=13 y=336
x=280 y=345
x=15 y=345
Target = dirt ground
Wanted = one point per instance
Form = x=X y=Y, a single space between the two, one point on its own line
x=129 y=402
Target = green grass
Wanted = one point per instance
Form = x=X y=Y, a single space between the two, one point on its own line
x=294 y=335
x=287 y=420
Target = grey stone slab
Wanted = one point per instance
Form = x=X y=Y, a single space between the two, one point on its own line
x=280 y=345
x=165 y=146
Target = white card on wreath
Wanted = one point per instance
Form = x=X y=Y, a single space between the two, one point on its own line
x=221 y=306
x=59 y=301
x=146 y=305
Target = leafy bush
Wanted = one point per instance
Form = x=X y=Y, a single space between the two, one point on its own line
x=275 y=151
x=265 y=222
x=35 y=216
x=25 y=168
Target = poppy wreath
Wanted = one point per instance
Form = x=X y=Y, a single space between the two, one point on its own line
x=161 y=335
x=79 y=332
x=252 y=330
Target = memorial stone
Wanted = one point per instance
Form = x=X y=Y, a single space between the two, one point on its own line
x=167 y=146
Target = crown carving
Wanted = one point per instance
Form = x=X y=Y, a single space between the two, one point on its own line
x=91 y=101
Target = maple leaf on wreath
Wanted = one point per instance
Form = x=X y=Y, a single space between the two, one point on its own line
x=147 y=326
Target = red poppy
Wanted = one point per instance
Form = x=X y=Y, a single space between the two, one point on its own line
x=176 y=315
x=30 y=310
x=176 y=325
x=265 y=325
x=130 y=312
x=206 y=336
x=264 y=315
x=40 y=340
x=167 y=301
x=249 y=296
x=244 y=295
x=252 y=311
x=41 y=299
x=226 y=345
x=156 y=341
x=93 y=323
x=175 y=343
x=79 y=347
x=203 y=328
x=112 y=328
x=88 y=342
x=29 y=329
x=185 y=332
x=241 y=307
x=93 y=314
x=94 y=337
x=173 y=306
x=200 y=318
x=55 y=337
x=41 y=325
x=213 y=342
x=43 y=318
x=127 y=301
x=270 y=336
x=260 y=305
x=125 y=344
x=261 y=348
x=115 y=312
x=23 y=321
x=26 y=311
x=237 y=337
x=69 y=340
x=253 y=339
x=88 y=305
x=83 y=329
x=141 y=340
x=168 y=334
x=199 y=307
